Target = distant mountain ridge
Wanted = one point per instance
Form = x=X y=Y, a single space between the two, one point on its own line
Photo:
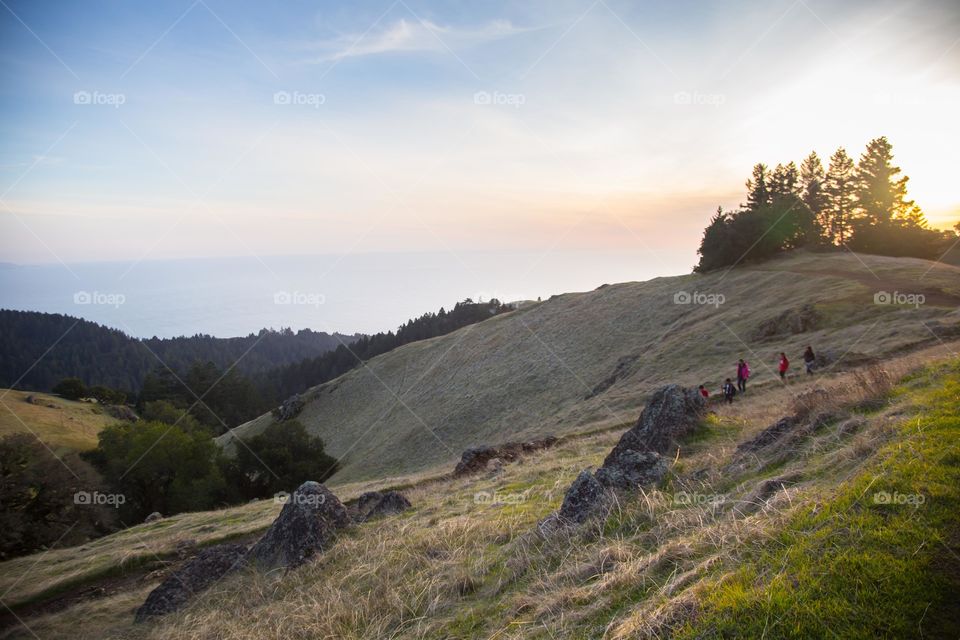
x=39 y=349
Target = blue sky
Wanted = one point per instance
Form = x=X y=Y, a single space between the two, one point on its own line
x=143 y=130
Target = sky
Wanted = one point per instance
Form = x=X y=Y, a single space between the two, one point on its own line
x=136 y=131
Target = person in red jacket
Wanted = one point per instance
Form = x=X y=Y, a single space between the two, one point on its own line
x=703 y=392
x=784 y=365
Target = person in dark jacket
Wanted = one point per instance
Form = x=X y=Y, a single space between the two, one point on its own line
x=809 y=360
x=729 y=391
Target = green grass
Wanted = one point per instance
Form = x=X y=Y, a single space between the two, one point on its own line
x=848 y=566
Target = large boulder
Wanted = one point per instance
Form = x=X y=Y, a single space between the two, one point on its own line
x=475 y=459
x=196 y=575
x=374 y=504
x=672 y=414
x=632 y=469
x=307 y=525
x=585 y=498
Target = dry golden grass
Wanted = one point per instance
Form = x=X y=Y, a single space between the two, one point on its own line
x=454 y=568
x=61 y=424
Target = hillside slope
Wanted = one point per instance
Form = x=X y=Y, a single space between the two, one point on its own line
x=845 y=524
x=59 y=423
x=591 y=358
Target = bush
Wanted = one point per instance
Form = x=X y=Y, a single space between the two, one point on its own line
x=279 y=459
x=159 y=467
x=71 y=389
x=43 y=498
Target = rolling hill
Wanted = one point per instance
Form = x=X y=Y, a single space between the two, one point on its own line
x=590 y=359
x=59 y=423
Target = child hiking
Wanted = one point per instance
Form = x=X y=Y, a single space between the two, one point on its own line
x=743 y=372
x=809 y=360
x=783 y=366
x=729 y=391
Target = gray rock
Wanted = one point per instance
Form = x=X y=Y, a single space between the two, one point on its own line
x=307 y=525
x=586 y=497
x=769 y=435
x=196 y=575
x=475 y=459
x=290 y=408
x=633 y=469
x=672 y=414
x=153 y=517
x=374 y=504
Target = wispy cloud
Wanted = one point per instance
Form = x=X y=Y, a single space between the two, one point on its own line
x=414 y=35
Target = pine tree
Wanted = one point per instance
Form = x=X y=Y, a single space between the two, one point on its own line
x=758 y=189
x=840 y=195
x=783 y=182
x=811 y=184
x=881 y=194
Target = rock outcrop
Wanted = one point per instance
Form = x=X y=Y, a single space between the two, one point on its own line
x=791 y=321
x=475 y=459
x=374 y=504
x=672 y=414
x=585 y=498
x=196 y=575
x=290 y=408
x=307 y=525
x=632 y=469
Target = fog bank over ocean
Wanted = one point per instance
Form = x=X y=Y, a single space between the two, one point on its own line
x=348 y=293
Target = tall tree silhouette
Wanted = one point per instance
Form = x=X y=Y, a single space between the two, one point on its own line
x=783 y=181
x=812 y=193
x=881 y=191
x=758 y=187
x=840 y=190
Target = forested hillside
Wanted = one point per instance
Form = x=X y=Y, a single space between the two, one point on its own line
x=99 y=355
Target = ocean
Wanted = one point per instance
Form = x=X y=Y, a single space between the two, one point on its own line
x=349 y=293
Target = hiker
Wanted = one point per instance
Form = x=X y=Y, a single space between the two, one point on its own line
x=809 y=360
x=729 y=391
x=743 y=372
x=703 y=392
x=783 y=366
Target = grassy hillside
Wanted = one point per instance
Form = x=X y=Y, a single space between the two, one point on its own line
x=591 y=358
x=849 y=525
x=57 y=422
